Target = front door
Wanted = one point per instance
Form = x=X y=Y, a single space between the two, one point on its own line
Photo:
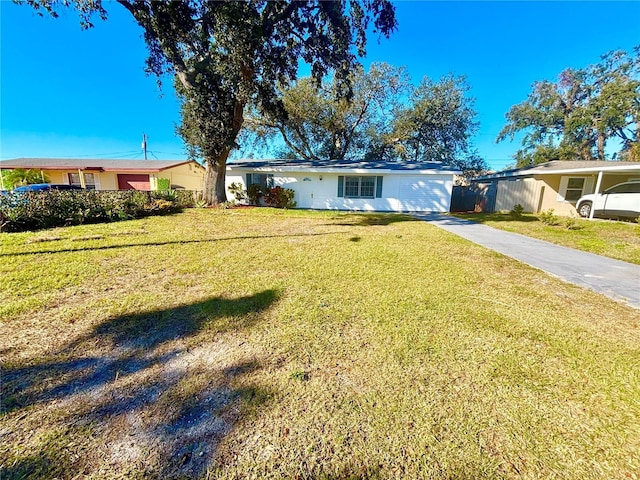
x=305 y=191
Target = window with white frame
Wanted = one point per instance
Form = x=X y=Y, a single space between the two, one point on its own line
x=359 y=187
x=575 y=187
x=89 y=180
x=572 y=188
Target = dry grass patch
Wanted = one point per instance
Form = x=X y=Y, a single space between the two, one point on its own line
x=269 y=344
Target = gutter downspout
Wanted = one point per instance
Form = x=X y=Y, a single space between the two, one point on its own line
x=593 y=206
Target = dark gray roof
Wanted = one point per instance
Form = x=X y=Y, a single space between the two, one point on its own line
x=92 y=164
x=565 y=166
x=326 y=165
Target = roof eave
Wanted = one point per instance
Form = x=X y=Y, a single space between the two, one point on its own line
x=533 y=171
x=273 y=169
x=62 y=167
x=613 y=168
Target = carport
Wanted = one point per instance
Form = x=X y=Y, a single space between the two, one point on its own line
x=553 y=185
x=599 y=181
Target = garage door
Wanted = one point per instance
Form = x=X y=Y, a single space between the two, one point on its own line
x=133 y=181
x=425 y=194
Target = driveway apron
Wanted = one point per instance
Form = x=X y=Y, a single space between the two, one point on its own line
x=613 y=278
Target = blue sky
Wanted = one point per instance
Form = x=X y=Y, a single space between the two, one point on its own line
x=72 y=93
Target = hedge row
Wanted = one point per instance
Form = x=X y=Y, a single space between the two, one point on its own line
x=36 y=210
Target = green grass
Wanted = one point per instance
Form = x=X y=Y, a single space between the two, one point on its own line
x=620 y=240
x=268 y=344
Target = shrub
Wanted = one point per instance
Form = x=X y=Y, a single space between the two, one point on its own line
x=164 y=184
x=36 y=210
x=255 y=193
x=169 y=195
x=185 y=198
x=517 y=211
x=570 y=223
x=237 y=191
x=161 y=207
x=548 y=218
x=279 y=197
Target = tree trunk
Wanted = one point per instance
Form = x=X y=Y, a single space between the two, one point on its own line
x=215 y=191
x=214 y=180
x=601 y=142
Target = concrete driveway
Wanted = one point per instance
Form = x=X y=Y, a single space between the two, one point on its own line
x=613 y=278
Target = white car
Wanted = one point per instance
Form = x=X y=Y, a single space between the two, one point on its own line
x=621 y=200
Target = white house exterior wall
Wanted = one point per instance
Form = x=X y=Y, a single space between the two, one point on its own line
x=400 y=192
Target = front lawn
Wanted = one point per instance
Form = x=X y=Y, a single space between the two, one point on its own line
x=263 y=343
x=620 y=240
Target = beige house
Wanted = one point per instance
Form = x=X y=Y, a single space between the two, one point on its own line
x=102 y=174
x=553 y=185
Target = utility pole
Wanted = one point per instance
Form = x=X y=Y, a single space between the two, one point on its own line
x=144 y=144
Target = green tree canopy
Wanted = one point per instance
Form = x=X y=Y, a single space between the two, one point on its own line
x=21 y=176
x=228 y=55
x=386 y=119
x=320 y=124
x=438 y=122
x=574 y=117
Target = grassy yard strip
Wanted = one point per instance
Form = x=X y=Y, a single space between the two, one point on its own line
x=619 y=240
x=264 y=343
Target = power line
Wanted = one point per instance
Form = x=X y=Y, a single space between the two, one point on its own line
x=134 y=154
x=170 y=153
x=130 y=152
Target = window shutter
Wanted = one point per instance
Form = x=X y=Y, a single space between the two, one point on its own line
x=270 y=181
x=340 y=186
x=379 y=187
x=249 y=182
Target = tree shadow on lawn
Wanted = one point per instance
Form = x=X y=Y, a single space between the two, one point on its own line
x=156 y=405
x=372 y=219
x=162 y=244
x=496 y=217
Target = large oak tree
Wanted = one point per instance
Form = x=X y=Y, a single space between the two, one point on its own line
x=387 y=119
x=319 y=124
x=575 y=116
x=227 y=55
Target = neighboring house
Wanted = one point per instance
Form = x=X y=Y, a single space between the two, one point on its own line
x=103 y=174
x=553 y=185
x=351 y=185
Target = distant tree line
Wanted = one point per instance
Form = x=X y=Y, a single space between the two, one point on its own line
x=581 y=114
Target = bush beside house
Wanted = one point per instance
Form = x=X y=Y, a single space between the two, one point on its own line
x=279 y=197
x=36 y=210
